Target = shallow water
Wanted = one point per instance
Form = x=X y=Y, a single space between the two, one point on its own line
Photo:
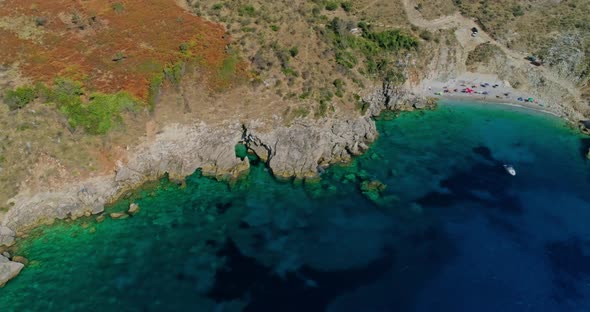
x=452 y=231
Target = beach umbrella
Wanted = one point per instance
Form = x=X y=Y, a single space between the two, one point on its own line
x=531 y=100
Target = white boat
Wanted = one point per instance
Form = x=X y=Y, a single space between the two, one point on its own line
x=510 y=170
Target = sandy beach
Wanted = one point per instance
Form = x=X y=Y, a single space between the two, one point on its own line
x=485 y=88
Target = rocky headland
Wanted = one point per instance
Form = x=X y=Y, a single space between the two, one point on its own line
x=295 y=151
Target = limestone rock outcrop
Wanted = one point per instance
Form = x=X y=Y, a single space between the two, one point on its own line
x=298 y=150
x=8 y=270
x=178 y=150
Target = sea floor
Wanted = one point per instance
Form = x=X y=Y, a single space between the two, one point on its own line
x=426 y=220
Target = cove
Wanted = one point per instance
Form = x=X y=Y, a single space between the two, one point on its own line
x=426 y=220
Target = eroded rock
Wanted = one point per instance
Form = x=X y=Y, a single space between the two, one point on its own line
x=6 y=236
x=133 y=209
x=20 y=259
x=8 y=270
x=297 y=151
x=118 y=215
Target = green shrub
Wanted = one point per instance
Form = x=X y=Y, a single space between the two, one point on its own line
x=19 y=97
x=283 y=56
x=322 y=109
x=119 y=56
x=274 y=27
x=247 y=10
x=100 y=113
x=362 y=106
x=154 y=90
x=392 y=40
x=184 y=47
x=288 y=71
x=118 y=7
x=517 y=10
x=331 y=5
x=40 y=21
x=346 y=59
x=229 y=66
x=339 y=84
x=394 y=77
x=174 y=72
x=66 y=87
x=217 y=6
x=294 y=51
x=301 y=112
x=346 y=6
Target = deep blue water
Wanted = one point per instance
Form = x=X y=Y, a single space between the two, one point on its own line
x=451 y=231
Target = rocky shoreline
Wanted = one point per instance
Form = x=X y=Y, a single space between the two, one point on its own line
x=300 y=150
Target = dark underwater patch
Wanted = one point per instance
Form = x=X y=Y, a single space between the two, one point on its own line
x=503 y=224
x=464 y=186
x=484 y=152
x=222 y=207
x=570 y=263
x=305 y=290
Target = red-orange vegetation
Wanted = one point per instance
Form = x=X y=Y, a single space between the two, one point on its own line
x=108 y=45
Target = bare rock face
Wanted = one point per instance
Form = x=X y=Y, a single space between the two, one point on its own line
x=6 y=236
x=181 y=150
x=178 y=151
x=298 y=150
x=389 y=97
x=72 y=201
x=8 y=270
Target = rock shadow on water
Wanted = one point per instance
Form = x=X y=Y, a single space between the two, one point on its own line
x=484 y=152
x=484 y=184
x=305 y=290
x=419 y=259
x=585 y=149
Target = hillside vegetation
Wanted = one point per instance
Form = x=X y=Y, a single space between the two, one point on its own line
x=556 y=31
x=81 y=81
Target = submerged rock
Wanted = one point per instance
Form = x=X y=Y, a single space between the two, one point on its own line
x=20 y=259
x=133 y=209
x=373 y=189
x=8 y=270
x=118 y=215
x=584 y=126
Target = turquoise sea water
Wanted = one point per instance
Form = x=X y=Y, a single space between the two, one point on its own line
x=447 y=230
